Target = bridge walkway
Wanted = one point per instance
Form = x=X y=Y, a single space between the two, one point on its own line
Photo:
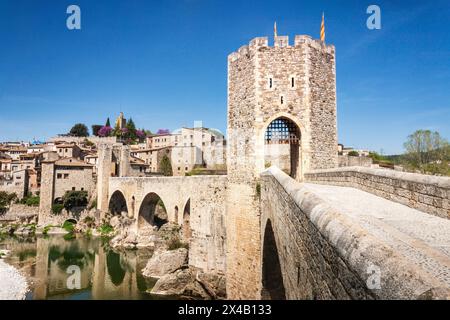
x=422 y=238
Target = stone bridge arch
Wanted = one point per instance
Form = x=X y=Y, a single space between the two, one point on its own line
x=152 y=212
x=118 y=203
x=272 y=276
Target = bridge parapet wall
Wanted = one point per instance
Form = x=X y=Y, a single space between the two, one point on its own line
x=324 y=254
x=426 y=193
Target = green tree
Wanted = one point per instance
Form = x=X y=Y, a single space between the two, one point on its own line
x=79 y=130
x=353 y=154
x=131 y=134
x=108 y=123
x=427 y=151
x=75 y=199
x=95 y=129
x=165 y=166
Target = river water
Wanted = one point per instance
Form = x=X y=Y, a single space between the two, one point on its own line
x=104 y=274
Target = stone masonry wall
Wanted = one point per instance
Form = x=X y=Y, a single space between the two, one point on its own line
x=426 y=193
x=325 y=255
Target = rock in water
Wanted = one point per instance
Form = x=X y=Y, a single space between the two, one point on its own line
x=214 y=284
x=162 y=263
x=180 y=283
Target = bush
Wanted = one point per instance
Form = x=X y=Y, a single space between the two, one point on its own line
x=175 y=243
x=68 y=226
x=32 y=201
x=75 y=199
x=79 y=130
x=89 y=221
x=6 y=199
x=353 y=154
x=57 y=208
x=105 y=229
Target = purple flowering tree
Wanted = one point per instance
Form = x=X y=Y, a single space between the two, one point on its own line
x=105 y=131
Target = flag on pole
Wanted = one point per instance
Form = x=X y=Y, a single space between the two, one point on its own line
x=275 y=33
x=322 y=28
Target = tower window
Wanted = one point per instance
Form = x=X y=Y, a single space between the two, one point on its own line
x=292 y=82
x=282 y=100
x=270 y=83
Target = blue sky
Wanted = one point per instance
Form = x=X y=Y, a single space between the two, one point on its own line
x=164 y=63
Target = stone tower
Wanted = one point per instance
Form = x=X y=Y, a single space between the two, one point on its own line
x=281 y=96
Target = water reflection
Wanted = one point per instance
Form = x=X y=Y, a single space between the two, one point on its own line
x=105 y=273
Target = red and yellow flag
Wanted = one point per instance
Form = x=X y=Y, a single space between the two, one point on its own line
x=322 y=28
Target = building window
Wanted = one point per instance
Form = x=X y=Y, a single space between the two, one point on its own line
x=66 y=176
x=179 y=168
x=270 y=83
x=82 y=189
x=292 y=82
x=282 y=100
x=73 y=188
x=186 y=168
x=59 y=176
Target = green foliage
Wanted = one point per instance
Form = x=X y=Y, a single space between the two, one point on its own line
x=175 y=243
x=68 y=226
x=79 y=130
x=75 y=199
x=108 y=123
x=105 y=229
x=57 y=208
x=166 y=166
x=353 y=154
x=95 y=129
x=131 y=133
x=32 y=201
x=382 y=161
x=427 y=152
x=46 y=229
x=88 y=143
x=6 y=199
x=89 y=221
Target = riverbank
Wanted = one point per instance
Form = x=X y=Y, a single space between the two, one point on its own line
x=13 y=284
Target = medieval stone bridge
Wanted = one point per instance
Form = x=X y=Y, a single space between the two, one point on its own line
x=196 y=203
x=320 y=239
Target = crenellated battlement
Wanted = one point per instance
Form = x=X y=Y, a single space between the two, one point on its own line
x=281 y=42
